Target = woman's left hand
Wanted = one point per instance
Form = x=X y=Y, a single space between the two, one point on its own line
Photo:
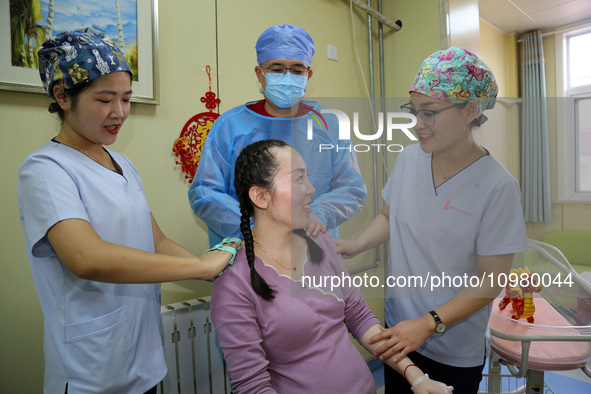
x=315 y=226
x=405 y=337
x=428 y=386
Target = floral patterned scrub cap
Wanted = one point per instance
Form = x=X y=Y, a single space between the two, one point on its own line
x=455 y=75
x=77 y=57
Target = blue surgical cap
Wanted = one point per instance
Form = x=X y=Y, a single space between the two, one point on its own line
x=285 y=42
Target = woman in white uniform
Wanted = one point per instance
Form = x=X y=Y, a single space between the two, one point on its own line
x=96 y=253
x=452 y=214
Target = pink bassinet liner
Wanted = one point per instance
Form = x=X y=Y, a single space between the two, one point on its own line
x=543 y=355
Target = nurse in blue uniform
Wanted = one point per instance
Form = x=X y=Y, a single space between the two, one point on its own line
x=95 y=250
x=452 y=214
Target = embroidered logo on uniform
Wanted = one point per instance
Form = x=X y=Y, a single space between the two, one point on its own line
x=448 y=206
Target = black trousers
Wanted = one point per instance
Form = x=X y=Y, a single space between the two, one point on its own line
x=464 y=380
x=153 y=390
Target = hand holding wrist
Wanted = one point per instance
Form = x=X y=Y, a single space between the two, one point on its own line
x=431 y=384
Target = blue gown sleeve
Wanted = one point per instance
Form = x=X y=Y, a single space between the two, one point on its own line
x=209 y=193
x=347 y=191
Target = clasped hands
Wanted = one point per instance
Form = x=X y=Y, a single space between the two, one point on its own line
x=402 y=339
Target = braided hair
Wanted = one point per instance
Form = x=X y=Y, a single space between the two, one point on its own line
x=257 y=165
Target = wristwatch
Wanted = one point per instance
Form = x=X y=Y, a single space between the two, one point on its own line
x=440 y=326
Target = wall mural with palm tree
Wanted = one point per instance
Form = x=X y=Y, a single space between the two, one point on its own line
x=34 y=21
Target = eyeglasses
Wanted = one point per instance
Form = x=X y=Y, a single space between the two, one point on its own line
x=281 y=69
x=427 y=116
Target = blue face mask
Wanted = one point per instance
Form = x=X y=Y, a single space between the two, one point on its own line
x=285 y=90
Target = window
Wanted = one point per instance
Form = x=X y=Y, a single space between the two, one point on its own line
x=573 y=88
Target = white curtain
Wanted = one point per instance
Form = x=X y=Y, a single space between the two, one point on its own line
x=535 y=166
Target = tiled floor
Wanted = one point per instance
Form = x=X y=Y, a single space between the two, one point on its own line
x=568 y=382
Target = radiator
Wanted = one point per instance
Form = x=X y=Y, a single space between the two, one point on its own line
x=194 y=359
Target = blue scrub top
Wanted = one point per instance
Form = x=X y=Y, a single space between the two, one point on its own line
x=99 y=337
x=439 y=232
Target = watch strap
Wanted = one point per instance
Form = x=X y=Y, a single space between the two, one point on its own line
x=436 y=317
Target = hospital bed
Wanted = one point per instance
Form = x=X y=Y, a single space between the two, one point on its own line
x=559 y=337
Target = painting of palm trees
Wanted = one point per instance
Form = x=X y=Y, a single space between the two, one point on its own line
x=34 y=21
x=27 y=33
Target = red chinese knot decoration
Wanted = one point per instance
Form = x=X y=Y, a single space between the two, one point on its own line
x=190 y=143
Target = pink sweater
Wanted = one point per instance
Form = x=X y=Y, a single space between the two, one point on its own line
x=298 y=342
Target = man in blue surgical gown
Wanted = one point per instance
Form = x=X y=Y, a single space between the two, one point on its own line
x=284 y=54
